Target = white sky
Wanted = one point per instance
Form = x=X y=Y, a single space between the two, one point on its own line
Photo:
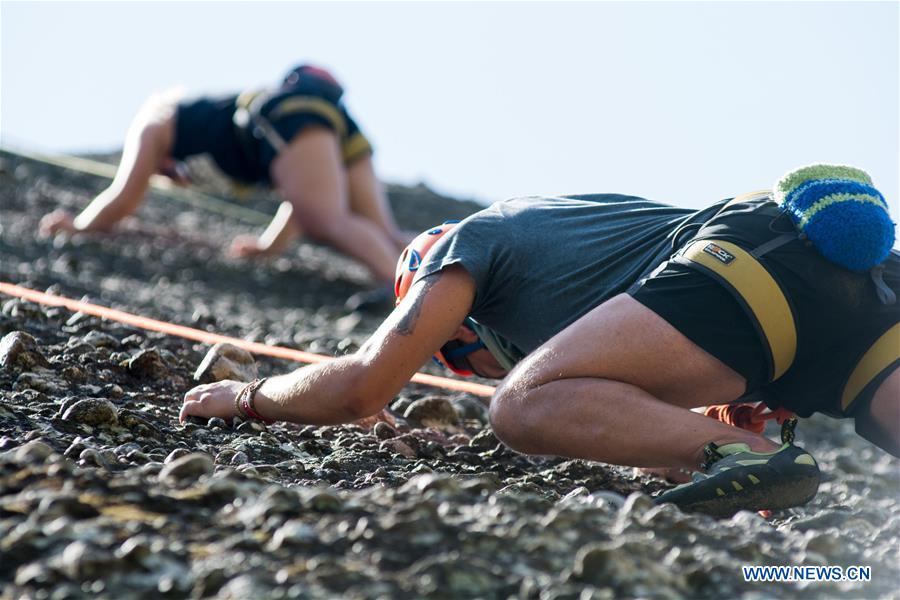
x=680 y=102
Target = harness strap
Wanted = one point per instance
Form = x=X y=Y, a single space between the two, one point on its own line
x=683 y=229
x=755 y=289
x=748 y=197
x=463 y=350
x=246 y=98
x=774 y=244
x=248 y=111
x=879 y=360
x=272 y=136
x=885 y=294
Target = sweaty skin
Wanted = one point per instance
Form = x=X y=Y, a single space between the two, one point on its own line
x=617 y=386
x=606 y=388
x=361 y=384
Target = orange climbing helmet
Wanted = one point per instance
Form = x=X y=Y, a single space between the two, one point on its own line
x=413 y=256
x=454 y=354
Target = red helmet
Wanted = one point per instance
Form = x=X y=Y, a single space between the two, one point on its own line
x=452 y=355
x=413 y=255
x=314 y=79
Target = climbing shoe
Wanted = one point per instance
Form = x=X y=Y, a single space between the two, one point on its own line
x=734 y=478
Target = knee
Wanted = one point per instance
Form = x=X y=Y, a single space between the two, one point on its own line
x=515 y=419
x=325 y=228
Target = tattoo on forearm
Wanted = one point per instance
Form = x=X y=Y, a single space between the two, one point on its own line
x=408 y=321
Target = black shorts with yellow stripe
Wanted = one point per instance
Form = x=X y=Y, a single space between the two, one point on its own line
x=805 y=333
x=206 y=125
x=293 y=110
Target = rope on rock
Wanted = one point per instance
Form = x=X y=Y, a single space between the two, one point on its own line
x=207 y=337
x=158 y=182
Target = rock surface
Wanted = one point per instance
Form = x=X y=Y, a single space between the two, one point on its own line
x=432 y=411
x=19 y=351
x=226 y=361
x=93 y=412
x=123 y=501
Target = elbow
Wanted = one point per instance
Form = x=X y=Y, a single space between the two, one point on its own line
x=360 y=406
x=361 y=396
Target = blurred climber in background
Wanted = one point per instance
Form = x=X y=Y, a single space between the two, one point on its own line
x=297 y=137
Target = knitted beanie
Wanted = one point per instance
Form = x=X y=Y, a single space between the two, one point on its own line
x=840 y=212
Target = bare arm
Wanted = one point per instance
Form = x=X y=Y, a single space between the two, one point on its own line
x=101 y=214
x=361 y=384
x=147 y=145
x=106 y=210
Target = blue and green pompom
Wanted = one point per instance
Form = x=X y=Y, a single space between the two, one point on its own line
x=841 y=213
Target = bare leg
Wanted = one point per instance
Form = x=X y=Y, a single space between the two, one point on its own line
x=367 y=199
x=616 y=386
x=310 y=175
x=881 y=425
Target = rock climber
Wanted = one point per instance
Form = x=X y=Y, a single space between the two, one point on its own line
x=609 y=317
x=297 y=137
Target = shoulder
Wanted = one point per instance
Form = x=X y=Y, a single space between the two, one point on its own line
x=501 y=216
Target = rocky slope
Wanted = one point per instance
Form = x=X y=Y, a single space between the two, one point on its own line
x=104 y=494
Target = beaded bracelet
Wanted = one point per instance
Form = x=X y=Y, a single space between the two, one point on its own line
x=244 y=401
x=237 y=403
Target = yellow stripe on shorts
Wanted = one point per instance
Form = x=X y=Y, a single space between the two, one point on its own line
x=310 y=105
x=355 y=147
x=760 y=292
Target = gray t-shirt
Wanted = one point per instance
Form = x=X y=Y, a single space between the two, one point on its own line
x=541 y=263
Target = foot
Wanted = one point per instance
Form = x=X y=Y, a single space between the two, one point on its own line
x=735 y=478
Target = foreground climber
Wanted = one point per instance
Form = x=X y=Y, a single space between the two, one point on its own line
x=297 y=137
x=609 y=317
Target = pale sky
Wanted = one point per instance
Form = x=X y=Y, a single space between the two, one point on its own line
x=680 y=102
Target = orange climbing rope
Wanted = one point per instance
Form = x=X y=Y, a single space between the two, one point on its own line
x=206 y=337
